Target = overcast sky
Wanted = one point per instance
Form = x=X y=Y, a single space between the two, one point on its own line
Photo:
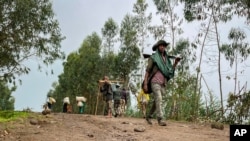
x=78 y=19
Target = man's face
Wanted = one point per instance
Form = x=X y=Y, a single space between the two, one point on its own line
x=106 y=78
x=162 y=48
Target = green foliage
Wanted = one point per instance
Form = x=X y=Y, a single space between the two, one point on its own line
x=130 y=112
x=238 y=48
x=210 y=110
x=170 y=22
x=161 y=5
x=239 y=107
x=6 y=100
x=140 y=6
x=109 y=66
x=142 y=22
x=82 y=70
x=128 y=57
x=196 y=9
x=179 y=98
x=12 y=115
x=109 y=31
x=28 y=29
x=186 y=52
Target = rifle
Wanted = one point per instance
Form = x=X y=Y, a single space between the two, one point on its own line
x=169 y=56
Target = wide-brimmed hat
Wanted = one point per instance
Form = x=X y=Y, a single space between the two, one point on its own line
x=160 y=42
x=145 y=55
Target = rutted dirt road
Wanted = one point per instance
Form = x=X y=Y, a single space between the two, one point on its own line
x=76 y=127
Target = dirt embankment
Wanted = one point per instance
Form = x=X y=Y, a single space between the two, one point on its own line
x=73 y=127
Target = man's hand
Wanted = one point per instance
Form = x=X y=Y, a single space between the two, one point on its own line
x=145 y=88
x=176 y=61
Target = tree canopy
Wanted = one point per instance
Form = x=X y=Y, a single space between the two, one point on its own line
x=28 y=30
x=6 y=100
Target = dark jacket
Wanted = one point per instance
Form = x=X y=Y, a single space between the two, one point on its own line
x=124 y=95
x=107 y=92
x=117 y=95
x=152 y=68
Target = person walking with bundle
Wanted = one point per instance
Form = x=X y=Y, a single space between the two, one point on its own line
x=107 y=92
x=50 y=102
x=80 y=104
x=158 y=72
x=66 y=103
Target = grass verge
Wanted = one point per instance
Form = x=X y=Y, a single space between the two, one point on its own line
x=6 y=116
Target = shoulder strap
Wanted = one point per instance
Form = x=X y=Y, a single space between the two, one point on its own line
x=151 y=74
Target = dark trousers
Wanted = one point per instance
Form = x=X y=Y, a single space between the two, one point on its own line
x=65 y=105
x=81 y=109
x=50 y=106
x=117 y=107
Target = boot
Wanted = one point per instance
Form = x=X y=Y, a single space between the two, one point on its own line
x=148 y=118
x=161 y=123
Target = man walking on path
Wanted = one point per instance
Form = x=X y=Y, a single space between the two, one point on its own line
x=158 y=72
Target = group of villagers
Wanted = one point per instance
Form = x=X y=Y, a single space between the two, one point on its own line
x=116 y=98
x=67 y=107
x=160 y=69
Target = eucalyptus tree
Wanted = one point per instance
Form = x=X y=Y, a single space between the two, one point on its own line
x=208 y=36
x=239 y=8
x=6 y=100
x=128 y=57
x=183 y=83
x=109 y=32
x=109 y=35
x=28 y=30
x=142 y=24
x=82 y=72
x=236 y=52
x=232 y=7
x=68 y=81
x=179 y=101
x=127 y=60
x=171 y=22
x=211 y=13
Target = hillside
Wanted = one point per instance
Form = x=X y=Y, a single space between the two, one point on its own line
x=74 y=127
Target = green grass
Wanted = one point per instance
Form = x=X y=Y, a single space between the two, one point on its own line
x=12 y=115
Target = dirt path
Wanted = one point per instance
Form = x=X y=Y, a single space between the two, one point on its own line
x=74 y=127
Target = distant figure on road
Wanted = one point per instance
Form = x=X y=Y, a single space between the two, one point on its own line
x=142 y=102
x=66 y=103
x=117 y=100
x=124 y=98
x=81 y=103
x=107 y=92
x=50 y=102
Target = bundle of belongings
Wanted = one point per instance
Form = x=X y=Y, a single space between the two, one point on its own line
x=80 y=100
x=66 y=100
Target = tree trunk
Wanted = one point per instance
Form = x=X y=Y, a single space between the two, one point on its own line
x=219 y=67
